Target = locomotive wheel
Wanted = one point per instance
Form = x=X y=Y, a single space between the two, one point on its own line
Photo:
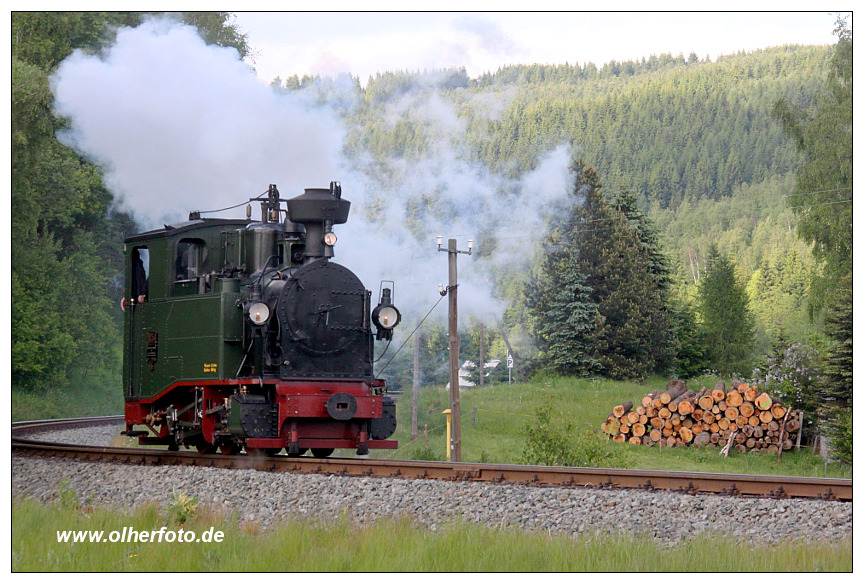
x=301 y=453
x=205 y=447
x=230 y=448
x=322 y=452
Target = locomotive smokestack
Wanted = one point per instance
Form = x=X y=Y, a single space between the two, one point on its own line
x=318 y=210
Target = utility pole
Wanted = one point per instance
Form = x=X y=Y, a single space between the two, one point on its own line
x=453 y=337
x=415 y=387
x=482 y=356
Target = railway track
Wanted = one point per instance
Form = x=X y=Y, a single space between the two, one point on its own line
x=685 y=482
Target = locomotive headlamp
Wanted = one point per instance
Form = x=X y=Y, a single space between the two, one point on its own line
x=330 y=238
x=385 y=316
x=259 y=312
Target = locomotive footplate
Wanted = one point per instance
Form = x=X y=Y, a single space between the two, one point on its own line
x=349 y=444
x=342 y=401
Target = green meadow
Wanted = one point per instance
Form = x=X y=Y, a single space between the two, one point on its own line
x=497 y=432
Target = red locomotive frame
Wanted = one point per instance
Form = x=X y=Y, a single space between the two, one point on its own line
x=303 y=419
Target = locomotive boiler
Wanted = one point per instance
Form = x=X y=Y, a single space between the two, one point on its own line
x=243 y=334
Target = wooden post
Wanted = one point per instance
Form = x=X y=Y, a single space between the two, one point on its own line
x=800 y=430
x=415 y=387
x=725 y=450
x=474 y=417
x=482 y=361
x=780 y=437
x=449 y=439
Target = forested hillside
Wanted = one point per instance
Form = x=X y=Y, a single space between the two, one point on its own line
x=693 y=140
x=669 y=128
x=679 y=167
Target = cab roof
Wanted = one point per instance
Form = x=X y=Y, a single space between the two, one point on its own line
x=185 y=227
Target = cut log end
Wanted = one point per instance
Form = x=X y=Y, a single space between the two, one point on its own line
x=622 y=409
x=742 y=417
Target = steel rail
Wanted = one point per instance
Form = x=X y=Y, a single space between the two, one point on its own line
x=684 y=482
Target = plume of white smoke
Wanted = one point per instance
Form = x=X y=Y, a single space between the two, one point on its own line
x=177 y=125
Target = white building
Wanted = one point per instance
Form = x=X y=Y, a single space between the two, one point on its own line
x=467 y=368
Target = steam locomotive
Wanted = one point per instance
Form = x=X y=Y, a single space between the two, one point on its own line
x=243 y=334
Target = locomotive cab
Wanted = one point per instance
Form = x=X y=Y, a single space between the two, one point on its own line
x=243 y=334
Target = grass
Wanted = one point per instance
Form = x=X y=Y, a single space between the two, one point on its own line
x=498 y=434
x=101 y=396
x=502 y=411
x=388 y=545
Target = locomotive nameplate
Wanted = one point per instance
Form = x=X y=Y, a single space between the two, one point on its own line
x=152 y=348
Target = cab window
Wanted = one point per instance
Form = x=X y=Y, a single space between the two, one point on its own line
x=140 y=273
x=190 y=257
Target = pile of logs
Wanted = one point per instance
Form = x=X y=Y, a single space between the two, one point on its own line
x=743 y=418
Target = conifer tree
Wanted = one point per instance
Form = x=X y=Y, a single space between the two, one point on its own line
x=689 y=360
x=601 y=302
x=571 y=322
x=563 y=313
x=836 y=407
x=633 y=339
x=727 y=325
x=658 y=276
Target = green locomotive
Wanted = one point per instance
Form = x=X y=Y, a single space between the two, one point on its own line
x=243 y=334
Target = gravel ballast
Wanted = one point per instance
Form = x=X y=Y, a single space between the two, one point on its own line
x=92 y=436
x=266 y=498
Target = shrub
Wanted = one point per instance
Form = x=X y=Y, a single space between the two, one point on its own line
x=182 y=507
x=425 y=453
x=67 y=498
x=840 y=432
x=792 y=373
x=552 y=444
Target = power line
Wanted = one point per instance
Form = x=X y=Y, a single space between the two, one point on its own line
x=821 y=204
x=381 y=372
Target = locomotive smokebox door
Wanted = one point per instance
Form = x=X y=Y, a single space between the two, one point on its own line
x=342 y=406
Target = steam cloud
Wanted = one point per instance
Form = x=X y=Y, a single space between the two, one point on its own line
x=177 y=125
